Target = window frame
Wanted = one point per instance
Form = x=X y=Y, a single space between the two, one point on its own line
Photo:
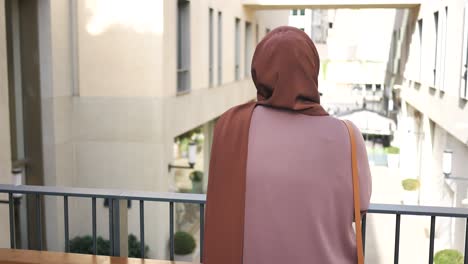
x=183 y=47
x=463 y=91
x=237 y=49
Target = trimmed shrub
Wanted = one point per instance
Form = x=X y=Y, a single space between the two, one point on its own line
x=392 y=150
x=196 y=176
x=410 y=184
x=448 y=256
x=184 y=243
x=84 y=245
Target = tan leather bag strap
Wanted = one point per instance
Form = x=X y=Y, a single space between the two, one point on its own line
x=356 y=194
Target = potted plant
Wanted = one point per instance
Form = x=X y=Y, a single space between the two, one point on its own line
x=184 y=246
x=393 y=157
x=410 y=188
x=448 y=256
x=197 y=181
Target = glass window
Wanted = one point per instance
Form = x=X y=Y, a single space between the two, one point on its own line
x=183 y=46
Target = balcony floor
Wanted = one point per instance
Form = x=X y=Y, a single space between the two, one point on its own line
x=16 y=256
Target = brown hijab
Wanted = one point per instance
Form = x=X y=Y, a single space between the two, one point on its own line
x=285 y=69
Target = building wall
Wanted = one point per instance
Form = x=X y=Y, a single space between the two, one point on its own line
x=5 y=150
x=436 y=117
x=302 y=21
x=110 y=108
x=421 y=93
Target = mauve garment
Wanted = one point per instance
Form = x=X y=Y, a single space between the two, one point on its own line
x=299 y=195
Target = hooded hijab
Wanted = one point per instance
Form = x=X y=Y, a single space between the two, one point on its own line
x=285 y=69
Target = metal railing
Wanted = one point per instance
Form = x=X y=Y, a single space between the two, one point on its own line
x=118 y=206
x=432 y=211
x=117 y=211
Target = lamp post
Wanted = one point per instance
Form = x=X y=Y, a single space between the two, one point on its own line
x=192 y=156
x=447 y=157
x=447 y=170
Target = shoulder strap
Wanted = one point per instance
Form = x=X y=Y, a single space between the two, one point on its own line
x=356 y=194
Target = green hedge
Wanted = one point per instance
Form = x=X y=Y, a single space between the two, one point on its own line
x=410 y=184
x=84 y=245
x=392 y=150
x=448 y=256
x=184 y=243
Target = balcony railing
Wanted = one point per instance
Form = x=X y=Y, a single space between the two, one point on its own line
x=118 y=206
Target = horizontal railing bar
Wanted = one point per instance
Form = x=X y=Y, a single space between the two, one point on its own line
x=60 y=191
x=201 y=199
x=418 y=210
x=164 y=197
x=105 y=193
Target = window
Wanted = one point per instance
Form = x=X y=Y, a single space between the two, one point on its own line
x=210 y=45
x=183 y=46
x=302 y=12
x=294 y=12
x=436 y=50
x=237 y=51
x=420 y=32
x=248 y=47
x=393 y=52
x=464 y=68
x=443 y=47
x=220 y=48
x=440 y=19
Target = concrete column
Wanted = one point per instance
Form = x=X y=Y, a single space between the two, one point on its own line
x=208 y=131
x=5 y=148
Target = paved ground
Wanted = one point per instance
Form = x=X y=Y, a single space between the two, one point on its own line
x=380 y=237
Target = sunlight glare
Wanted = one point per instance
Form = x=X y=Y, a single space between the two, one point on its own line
x=142 y=16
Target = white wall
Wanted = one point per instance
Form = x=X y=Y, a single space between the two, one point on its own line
x=302 y=21
x=445 y=108
x=422 y=143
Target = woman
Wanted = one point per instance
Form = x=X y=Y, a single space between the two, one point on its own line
x=280 y=187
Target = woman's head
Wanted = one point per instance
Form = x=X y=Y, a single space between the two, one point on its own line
x=285 y=69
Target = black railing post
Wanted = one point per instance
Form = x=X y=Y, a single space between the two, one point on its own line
x=396 y=255
x=93 y=201
x=65 y=223
x=171 y=230
x=363 y=233
x=431 y=240
x=111 y=226
x=466 y=242
x=12 y=220
x=142 y=229
x=202 y=230
x=38 y=221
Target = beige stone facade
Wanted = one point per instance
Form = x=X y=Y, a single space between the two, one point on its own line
x=428 y=63
x=109 y=103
